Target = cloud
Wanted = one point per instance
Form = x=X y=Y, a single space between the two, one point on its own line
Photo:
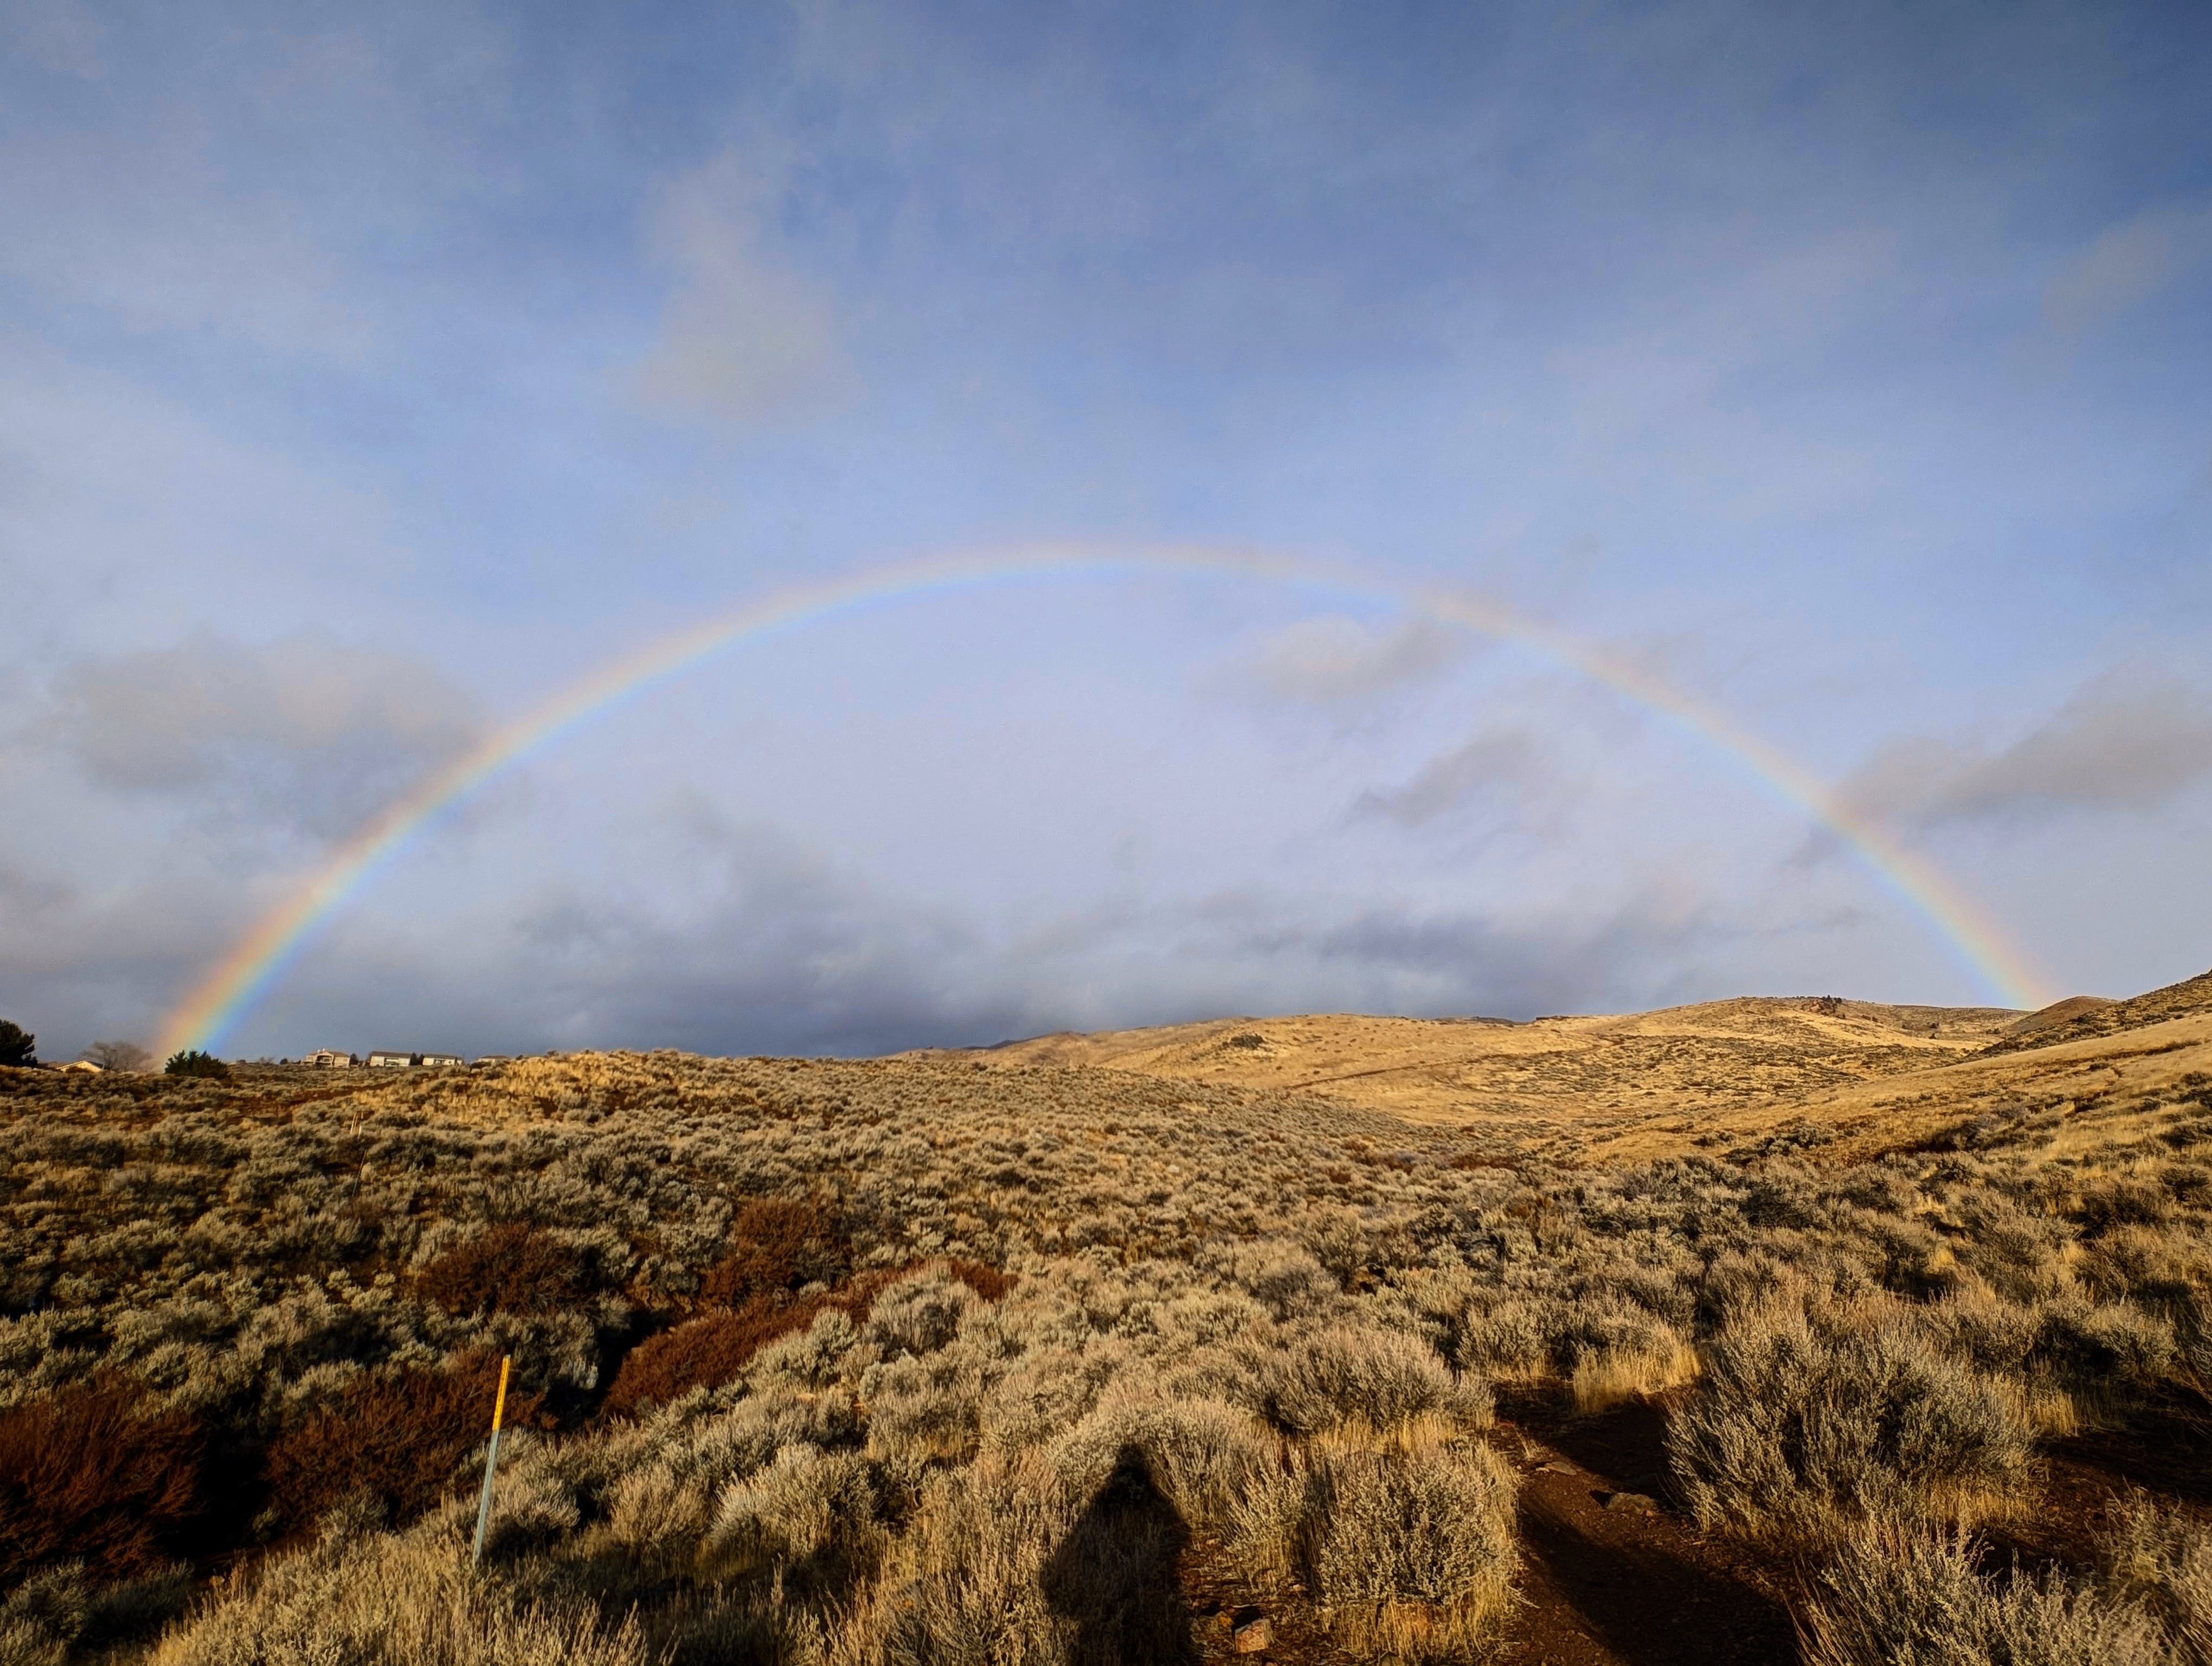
x=2119 y=743
x=696 y=930
x=731 y=935
x=126 y=508
x=1337 y=660
x=779 y=952
x=2127 y=264
x=102 y=951
x=1501 y=765
x=712 y=934
x=744 y=338
x=1405 y=958
x=304 y=731
x=1509 y=972
x=33 y=903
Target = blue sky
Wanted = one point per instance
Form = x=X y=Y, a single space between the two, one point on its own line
x=365 y=376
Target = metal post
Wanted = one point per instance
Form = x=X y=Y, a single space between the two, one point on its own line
x=491 y=1461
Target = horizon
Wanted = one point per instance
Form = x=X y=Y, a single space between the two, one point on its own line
x=361 y=1053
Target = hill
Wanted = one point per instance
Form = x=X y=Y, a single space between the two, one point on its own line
x=1644 y=1085
x=2190 y=998
x=1814 y=1072
x=1611 y=1349
x=2058 y=1013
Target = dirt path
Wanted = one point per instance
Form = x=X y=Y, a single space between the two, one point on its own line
x=1612 y=1574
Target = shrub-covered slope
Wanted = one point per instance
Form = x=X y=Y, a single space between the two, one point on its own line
x=911 y=1360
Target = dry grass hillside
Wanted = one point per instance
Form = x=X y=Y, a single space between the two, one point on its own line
x=1652 y=1085
x=2191 y=998
x=2050 y=1017
x=1871 y=1343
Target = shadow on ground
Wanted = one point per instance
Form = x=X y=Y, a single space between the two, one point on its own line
x=1627 y=1580
x=1114 y=1577
x=1647 y=1606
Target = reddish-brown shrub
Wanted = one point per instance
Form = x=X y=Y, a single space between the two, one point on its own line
x=1476 y=1160
x=985 y=1280
x=397 y=1436
x=704 y=1353
x=84 y=1476
x=779 y=1244
x=511 y=1268
x=707 y=1351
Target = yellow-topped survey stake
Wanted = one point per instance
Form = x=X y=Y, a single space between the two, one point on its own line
x=492 y=1459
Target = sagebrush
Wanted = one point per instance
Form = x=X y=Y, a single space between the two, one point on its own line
x=910 y=1360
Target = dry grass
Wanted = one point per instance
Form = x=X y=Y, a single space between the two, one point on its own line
x=1563 y=1084
x=508 y=1269
x=1604 y=1380
x=385 y=1602
x=1412 y=1544
x=1857 y=1076
x=705 y=1353
x=2164 y=1560
x=969 y=1588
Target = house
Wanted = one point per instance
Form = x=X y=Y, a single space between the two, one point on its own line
x=382 y=1057
x=85 y=1065
x=447 y=1059
x=331 y=1059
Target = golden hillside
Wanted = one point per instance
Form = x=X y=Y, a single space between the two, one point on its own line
x=2086 y=1019
x=1658 y=1083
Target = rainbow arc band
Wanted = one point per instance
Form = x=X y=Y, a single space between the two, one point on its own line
x=491 y=1461
x=228 y=990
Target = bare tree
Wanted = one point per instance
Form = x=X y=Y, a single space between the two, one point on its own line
x=118 y=1056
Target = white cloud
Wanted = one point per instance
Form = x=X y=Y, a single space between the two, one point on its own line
x=744 y=338
x=1337 y=660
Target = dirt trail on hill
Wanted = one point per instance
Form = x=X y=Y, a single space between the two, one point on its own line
x=1614 y=1574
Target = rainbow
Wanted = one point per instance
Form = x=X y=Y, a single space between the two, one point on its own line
x=261 y=959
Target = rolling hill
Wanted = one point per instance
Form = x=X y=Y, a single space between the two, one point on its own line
x=1649 y=1085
